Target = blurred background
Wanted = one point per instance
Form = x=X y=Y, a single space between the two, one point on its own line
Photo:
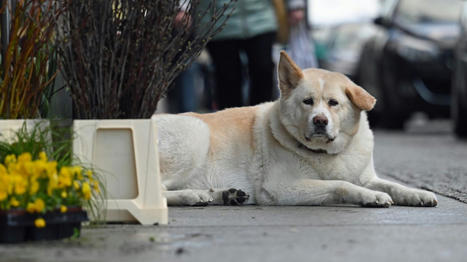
x=410 y=54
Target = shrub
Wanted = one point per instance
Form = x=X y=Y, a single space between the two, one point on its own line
x=27 y=68
x=120 y=56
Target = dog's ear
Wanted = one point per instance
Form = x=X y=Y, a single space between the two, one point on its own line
x=360 y=97
x=289 y=74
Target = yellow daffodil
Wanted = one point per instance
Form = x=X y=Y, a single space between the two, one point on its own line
x=25 y=157
x=51 y=168
x=30 y=168
x=76 y=171
x=10 y=159
x=39 y=223
x=38 y=181
x=36 y=168
x=40 y=205
x=95 y=185
x=14 y=202
x=20 y=188
x=36 y=206
x=3 y=194
x=53 y=184
x=20 y=183
x=86 y=191
x=64 y=177
x=34 y=187
x=4 y=186
x=31 y=207
x=43 y=156
x=2 y=169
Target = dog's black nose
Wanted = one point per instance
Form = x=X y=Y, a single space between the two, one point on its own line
x=320 y=121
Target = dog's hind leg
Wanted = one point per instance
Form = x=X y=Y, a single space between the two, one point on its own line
x=196 y=197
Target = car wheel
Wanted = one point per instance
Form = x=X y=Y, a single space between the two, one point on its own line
x=367 y=78
x=392 y=121
x=458 y=110
x=393 y=114
x=459 y=120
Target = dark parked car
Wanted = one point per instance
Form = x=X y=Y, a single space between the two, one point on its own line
x=408 y=64
x=459 y=82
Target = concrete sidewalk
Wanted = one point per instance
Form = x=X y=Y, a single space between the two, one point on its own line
x=257 y=233
x=254 y=233
x=436 y=162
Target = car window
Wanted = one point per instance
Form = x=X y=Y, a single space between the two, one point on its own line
x=411 y=12
x=352 y=36
x=387 y=7
x=464 y=15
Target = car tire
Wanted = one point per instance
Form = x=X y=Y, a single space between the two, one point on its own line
x=367 y=79
x=382 y=115
x=459 y=121
x=393 y=114
x=392 y=121
x=458 y=110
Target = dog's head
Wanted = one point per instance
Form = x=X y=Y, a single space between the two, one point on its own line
x=320 y=109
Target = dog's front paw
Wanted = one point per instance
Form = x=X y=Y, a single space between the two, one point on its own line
x=415 y=197
x=377 y=199
x=234 y=197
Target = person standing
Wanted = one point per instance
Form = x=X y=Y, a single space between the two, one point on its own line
x=251 y=29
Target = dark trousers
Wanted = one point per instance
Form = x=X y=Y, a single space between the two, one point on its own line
x=228 y=69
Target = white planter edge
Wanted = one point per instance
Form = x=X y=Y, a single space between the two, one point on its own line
x=148 y=206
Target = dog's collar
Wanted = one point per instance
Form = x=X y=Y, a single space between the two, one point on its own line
x=316 y=151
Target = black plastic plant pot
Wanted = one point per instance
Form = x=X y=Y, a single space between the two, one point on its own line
x=18 y=225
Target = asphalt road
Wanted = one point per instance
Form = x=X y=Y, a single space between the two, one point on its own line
x=427 y=156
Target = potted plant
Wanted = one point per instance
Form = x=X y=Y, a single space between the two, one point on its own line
x=36 y=200
x=27 y=64
x=41 y=198
x=118 y=58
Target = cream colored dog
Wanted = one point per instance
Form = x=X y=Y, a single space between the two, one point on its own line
x=313 y=146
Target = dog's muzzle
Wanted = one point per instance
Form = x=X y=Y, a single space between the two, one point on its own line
x=319 y=129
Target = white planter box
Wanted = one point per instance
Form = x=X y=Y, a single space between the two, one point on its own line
x=8 y=127
x=125 y=153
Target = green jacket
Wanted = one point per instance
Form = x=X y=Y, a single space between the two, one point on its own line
x=248 y=19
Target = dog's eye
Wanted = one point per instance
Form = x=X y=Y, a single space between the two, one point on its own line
x=333 y=102
x=308 y=101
